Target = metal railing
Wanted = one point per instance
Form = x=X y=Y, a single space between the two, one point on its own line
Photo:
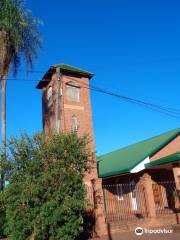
x=124 y=202
x=166 y=197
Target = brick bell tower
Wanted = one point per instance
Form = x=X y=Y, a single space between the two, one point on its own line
x=66 y=107
x=66 y=103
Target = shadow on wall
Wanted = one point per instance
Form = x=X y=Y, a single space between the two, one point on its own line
x=89 y=225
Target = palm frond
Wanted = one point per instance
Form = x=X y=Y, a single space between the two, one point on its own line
x=23 y=36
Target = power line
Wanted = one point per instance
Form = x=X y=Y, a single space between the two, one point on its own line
x=172 y=112
x=139 y=101
x=150 y=106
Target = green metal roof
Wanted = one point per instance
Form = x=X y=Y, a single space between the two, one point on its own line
x=70 y=68
x=125 y=159
x=169 y=159
x=64 y=68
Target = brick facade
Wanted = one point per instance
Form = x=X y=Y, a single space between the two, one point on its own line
x=80 y=109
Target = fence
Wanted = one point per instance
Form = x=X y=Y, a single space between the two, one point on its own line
x=124 y=202
x=166 y=197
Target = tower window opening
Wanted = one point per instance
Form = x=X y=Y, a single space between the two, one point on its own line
x=72 y=92
x=74 y=124
x=49 y=96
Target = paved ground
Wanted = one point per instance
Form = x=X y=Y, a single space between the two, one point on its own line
x=132 y=236
x=174 y=234
x=145 y=236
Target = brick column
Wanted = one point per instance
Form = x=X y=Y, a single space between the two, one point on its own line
x=150 y=204
x=100 y=224
x=176 y=172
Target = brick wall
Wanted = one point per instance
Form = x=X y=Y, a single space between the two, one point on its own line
x=81 y=109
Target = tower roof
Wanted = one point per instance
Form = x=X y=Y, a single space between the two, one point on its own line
x=66 y=69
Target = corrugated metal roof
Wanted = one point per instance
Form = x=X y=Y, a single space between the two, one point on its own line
x=66 y=69
x=125 y=159
x=169 y=159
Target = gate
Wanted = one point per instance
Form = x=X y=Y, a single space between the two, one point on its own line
x=166 y=197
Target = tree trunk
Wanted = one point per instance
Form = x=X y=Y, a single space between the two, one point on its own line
x=3 y=112
x=4 y=71
x=3 y=53
x=3 y=125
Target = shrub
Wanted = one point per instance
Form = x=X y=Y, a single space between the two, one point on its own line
x=2 y=214
x=46 y=195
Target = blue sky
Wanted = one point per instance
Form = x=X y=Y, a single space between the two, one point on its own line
x=133 y=47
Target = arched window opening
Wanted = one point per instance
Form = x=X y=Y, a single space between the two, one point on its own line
x=49 y=96
x=72 y=91
x=74 y=123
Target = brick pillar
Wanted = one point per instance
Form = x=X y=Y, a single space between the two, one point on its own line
x=150 y=204
x=176 y=172
x=100 y=224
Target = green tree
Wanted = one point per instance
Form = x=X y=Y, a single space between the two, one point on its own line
x=19 y=39
x=45 y=198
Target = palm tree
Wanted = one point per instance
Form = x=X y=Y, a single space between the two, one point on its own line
x=19 y=39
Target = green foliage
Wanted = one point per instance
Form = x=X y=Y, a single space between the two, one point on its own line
x=22 y=34
x=45 y=198
x=2 y=214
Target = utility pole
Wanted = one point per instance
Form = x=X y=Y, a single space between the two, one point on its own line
x=58 y=103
